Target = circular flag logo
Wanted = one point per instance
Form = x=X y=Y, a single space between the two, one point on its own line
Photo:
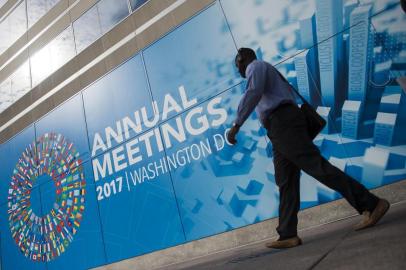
x=46 y=197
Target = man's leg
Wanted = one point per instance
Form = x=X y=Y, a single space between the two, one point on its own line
x=289 y=136
x=287 y=177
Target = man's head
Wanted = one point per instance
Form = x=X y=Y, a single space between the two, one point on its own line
x=243 y=58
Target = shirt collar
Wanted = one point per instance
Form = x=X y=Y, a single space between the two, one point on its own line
x=249 y=66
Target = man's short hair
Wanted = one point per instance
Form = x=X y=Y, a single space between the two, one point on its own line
x=245 y=54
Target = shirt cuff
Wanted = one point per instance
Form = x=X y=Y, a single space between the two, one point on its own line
x=237 y=123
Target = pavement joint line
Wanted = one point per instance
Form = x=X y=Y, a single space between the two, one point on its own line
x=267 y=239
x=314 y=265
x=339 y=219
x=325 y=255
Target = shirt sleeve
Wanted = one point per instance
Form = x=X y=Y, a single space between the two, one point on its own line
x=255 y=88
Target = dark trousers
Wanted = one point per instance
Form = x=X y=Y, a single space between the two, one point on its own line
x=293 y=151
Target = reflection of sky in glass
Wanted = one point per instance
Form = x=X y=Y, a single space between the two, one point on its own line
x=37 y=8
x=87 y=29
x=136 y=3
x=14 y=87
x=52 y=56
x=12 y=27
x=97 y=21
x=111 y=12
x=5 y=95
x=2 y=2
x=20 y=81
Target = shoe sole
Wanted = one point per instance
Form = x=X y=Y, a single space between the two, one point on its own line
x=377 y=219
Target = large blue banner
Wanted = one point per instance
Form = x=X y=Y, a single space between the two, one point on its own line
x=138 y=161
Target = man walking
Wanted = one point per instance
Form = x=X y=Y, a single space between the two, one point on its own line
x=293 y=149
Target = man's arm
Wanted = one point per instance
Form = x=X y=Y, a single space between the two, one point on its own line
x=256 y=76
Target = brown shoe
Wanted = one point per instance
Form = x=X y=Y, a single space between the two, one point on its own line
x=287 y=243
x=371 y=218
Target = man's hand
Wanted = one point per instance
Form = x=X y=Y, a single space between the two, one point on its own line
x=232 y=133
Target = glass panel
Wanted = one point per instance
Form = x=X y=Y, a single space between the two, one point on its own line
x=12 y=27
x=2 y=2
x=111 y=12
x=5 y=95
x=97 y=21
x=87 y=246
x=150 y=220
x=68 y=119
x=38 y=8
x=196 y=57
x=20 y=81
x=68 y=191
x=52 y=56
x=219 y=188
x=87 y=29
x=62 y=48
x=12 y=256
x=10 y=154
x=41 y=65
x=123 y=91
x=136 y=3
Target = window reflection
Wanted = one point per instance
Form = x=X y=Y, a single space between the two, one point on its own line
x=20 y=81
x=98 y=20
x=136 y=3
x=12 y=27
x=52 y=56
x=38 y=8
x=111 y=12
x=5 y=95
x=2 y=2
x=87 y=29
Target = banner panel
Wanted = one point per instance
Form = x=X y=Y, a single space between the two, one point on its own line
x=196 y=58
x=117 y=106
x=10 y=153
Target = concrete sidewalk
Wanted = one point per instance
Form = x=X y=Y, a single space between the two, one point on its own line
x=329 y=246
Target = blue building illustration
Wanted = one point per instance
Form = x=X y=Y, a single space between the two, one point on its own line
x=351 y=117
x=359 y=52
x=375 y=162
x=385 y=128
x=305 y=66
x=329 y=17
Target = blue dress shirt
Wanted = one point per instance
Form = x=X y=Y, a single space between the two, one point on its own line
x=266 y=90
